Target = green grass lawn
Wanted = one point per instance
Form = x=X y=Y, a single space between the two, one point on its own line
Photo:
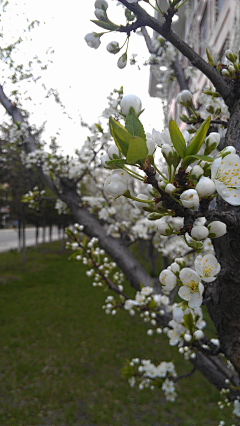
x=61 y=355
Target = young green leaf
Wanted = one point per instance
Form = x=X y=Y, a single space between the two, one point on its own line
x=106 y=25
x=188 y=322
x=191 y=158
x=117 y=162
x=137 y=150
x=134 y=126
x=210 y=59
x=198 y=138
x=177 y=138
x=121 y=136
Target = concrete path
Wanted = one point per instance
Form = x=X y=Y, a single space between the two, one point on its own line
x=9 y=237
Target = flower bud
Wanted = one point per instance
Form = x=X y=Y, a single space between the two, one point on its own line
x=187 y=337
x=205 y=187
x=99 y=4
x=198 y=334
x=122 y=61
x=166 y=149
x=100 y=14
x=150 y=146
x=113 y=47
x=197 y=171
x=175 y=267
x=189 y=198
x=184 y=97
x=164 y=228
x=170 y=188
x=131 y=101
x=230 y=55
x=92 y=40
x=113 y=150
x=199 y=232
x=105 y=158
x=217 y=229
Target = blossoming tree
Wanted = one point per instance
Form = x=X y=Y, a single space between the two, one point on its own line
x=189 y=192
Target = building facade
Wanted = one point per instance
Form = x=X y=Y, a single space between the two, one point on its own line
x=212 y=24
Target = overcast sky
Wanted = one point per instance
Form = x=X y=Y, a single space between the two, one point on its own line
x=83 y=76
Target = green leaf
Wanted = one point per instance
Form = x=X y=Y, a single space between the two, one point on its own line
x=100 y=129
x=191 y=158
x=177 y=138
x=134 y=126
x=137 y=150
x=116 y=162
x=198 y=138
x=210 y=59
x=188 y=322
x=106 y=25
x=121 y=136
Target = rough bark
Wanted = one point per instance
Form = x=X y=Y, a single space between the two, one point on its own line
x=224 y=305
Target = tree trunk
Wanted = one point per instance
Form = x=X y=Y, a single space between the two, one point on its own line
x=36 y=236
x=50 y=233
x=19 y=235
x=224 y=293
x=23 y=235
x=43 y=238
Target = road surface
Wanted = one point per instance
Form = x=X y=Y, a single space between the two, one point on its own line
x=9 y=237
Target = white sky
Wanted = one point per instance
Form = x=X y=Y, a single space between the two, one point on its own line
x=84 y=77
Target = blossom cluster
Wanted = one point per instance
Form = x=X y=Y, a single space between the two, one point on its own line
x=18 y=133
x=146 y=375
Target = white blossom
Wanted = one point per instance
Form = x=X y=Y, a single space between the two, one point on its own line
x=236 y=410
x=168 y=279
x=192 y=288
x=117 y=183
x=207 y=267
x=225 y=174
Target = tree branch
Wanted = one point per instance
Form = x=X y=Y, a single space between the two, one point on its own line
x=144 y=19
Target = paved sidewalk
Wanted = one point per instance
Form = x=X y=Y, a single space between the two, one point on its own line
x=9 y=237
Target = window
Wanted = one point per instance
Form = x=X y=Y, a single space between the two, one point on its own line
x=220 y=4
